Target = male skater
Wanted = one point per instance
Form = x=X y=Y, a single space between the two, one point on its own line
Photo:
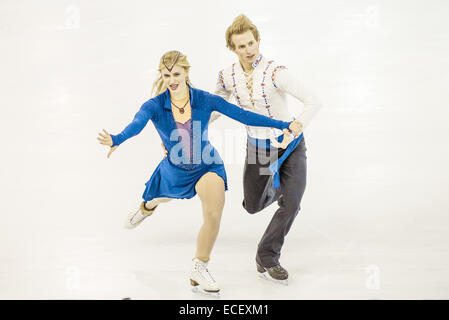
x=259 y=85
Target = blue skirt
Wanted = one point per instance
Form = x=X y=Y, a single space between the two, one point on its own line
x=170 y=181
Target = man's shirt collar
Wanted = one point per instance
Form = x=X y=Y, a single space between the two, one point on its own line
x=257 y=61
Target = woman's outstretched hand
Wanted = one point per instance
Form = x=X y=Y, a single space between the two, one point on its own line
x=296 y=127
x=106 y=139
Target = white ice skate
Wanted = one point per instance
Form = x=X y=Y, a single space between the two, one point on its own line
x=201 y=280
x=135 y=218
x=276 y=274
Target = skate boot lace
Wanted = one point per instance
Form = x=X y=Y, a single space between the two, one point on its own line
x=202 y=266
x=279 y=269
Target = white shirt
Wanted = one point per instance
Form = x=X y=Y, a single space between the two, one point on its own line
x=270 y=82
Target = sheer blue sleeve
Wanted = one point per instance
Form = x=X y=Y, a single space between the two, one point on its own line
x=139 y=122
x=246 y=117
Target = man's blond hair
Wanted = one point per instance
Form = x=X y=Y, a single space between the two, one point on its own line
x=240 y=25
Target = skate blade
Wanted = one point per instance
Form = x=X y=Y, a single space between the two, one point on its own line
x=266 y=276
x=129 y=226
x=197 y=289
x=200 y=291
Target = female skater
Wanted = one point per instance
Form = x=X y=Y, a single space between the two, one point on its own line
x=181 y=115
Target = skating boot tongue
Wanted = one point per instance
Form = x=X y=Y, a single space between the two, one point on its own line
x=200 y=277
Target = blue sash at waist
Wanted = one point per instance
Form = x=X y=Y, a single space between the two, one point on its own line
x=276 y=165
x=264 y=143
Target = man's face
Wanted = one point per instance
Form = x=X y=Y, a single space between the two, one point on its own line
x=245 y=47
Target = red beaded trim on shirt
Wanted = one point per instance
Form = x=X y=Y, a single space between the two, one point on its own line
x=220 y=76
x=235 y=86
x=274 y=72
x=264 y=95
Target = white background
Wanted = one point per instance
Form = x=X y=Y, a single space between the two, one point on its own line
x=374 y=217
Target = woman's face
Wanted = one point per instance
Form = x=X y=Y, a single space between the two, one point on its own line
x=175 y=80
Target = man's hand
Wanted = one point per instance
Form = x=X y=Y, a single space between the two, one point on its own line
x=285 y=142
x=296 y=127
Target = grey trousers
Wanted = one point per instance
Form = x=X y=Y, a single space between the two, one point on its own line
x=259 y=193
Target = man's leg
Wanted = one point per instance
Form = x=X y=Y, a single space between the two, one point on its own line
x=293 y=184
x=258 y=191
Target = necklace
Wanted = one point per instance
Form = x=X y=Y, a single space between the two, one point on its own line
x=181 y=109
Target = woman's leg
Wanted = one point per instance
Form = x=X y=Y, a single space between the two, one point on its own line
x=150 y=205
x=146 y=209
x=211 y=190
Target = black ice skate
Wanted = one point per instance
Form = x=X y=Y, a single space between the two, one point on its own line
x=276 y=274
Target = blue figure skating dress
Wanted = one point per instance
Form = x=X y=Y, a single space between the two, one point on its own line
x=177 y=174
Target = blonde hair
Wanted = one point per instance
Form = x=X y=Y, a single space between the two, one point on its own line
x=240 y=25
x=169 y=60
